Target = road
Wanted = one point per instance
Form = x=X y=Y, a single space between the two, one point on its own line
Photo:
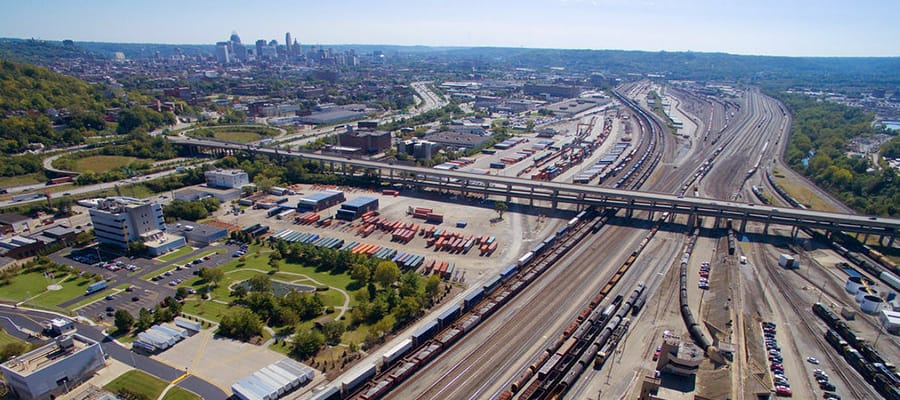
x=31 y=319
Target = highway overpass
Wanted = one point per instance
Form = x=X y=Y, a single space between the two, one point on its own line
x=583 y=195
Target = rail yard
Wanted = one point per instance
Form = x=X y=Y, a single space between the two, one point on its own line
x=565 y=313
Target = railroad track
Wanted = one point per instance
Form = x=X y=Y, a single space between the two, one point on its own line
x=793 y=301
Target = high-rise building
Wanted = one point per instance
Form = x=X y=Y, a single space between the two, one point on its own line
x=287 y=45
x=223 y=55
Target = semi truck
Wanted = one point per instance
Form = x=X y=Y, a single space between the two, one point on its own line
x=96 y=287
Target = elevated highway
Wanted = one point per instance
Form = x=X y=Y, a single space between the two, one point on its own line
x=580 y=195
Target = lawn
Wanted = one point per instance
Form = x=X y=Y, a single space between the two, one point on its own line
x=24 y=286
x=138 y=382
x=6 y=338
x=71 y=288
x=176 y=254
x=102 y=163
x=238 y=137
x=19 y=180
x=205 y=309
x=177 y=393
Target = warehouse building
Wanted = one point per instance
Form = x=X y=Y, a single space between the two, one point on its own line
x=273 y=381
x=13 y=223
x=332 y=117
x=355 y=208
x=320 y=201
x=891 y=321
x=457 y=139
x=200 y=235
x=55 y=368
x=193 y=193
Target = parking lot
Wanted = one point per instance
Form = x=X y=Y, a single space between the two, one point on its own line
x=127 y=290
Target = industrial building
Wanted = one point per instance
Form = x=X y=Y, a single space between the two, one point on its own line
x=332 y=117
x=355 y=208
x=552 y=90
x=118 y=222
x=55 y=368
x=320 y=201
x=679 y=357
x=197 y=234
x=457 y=139
x=193 y=193
x=13 y=223
x=369 y=140
x=420 y=149
x=890 y=320
x=273 y=381
x=227 y=178
x=159 y=338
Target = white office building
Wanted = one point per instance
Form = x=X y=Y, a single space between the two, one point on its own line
x=227 y=178
x=119 y=221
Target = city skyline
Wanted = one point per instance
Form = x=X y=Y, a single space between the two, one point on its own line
x=802 y=28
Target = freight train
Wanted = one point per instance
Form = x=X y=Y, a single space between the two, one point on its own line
x=690 y=322
x=877 y=371
x=374 y=381
x=889 y=277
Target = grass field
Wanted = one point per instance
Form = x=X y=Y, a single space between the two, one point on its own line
x=802 y=194
x=6 y=338
x=71 y=288
x=177 y=393
x=176 y=254
x=238 y=137
x=102 y=163
x=27 y=179
x=138 y=382
x=236 y=271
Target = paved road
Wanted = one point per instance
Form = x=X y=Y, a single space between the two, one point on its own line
x=30 y=319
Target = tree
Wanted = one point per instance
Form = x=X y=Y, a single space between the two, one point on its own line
x=145 y=319
x=386 y=273
x=260 y=283
x=12 y=349
x=409 y=284
x=241 y=324
x=360 y=273
x=432 y=286
x=384 y=325
x=212 y=275
x=500 y=207
x=239 y=291
x=182 y=292
x=307 y=344
x=124 y=320
x=333 y=331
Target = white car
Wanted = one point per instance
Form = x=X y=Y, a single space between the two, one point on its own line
x=812 y=360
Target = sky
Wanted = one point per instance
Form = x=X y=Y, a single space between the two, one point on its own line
x=753 y=27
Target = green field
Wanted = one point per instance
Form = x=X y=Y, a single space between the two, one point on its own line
x=176 y=254
x=237 y=134
x=138 y=382
x=102 y=163
x=238 y=137
x=236 y=271
x=19 y=180
x=6 y=338
x=71 y=288
x=177 y=393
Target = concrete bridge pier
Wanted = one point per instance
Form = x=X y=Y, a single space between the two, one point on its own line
x=652 y=209
x=692 y=220
x=555 y=196
x=508 y=193
x=743 y=226
x=531 y=198
x=629 y=212
x=794 y=231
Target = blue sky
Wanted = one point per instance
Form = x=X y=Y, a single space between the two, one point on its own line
x=768 y=27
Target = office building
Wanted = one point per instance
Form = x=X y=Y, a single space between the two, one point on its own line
x=227 y=178
x=118 y=222
x=53 y=369
x=223 y=54
x=420 y=149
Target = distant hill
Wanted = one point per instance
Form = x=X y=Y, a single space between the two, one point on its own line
x=33 y=99
x=41 y=52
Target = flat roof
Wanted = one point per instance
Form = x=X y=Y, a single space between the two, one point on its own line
x=360 y=201
x=322 y=195
x=47 y=355
x=11 y=218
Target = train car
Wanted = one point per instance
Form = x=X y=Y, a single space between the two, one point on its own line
x=397 y=352
x=509 y=272
x=356 y=380
x=449 y=316
x=492 y=284
x=473 y=298
x=425 y=333
x=525 y=259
